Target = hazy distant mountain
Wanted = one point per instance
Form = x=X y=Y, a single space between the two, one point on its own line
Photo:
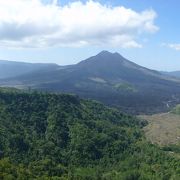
x=110 y=78
x=12 y=68
x=173 y=73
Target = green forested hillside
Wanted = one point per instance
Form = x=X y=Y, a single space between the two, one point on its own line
x=51 y=136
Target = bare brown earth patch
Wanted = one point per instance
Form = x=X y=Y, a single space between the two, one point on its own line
x=163 y=129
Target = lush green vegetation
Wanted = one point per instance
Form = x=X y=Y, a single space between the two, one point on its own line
x=176 y=110
x=51 y=136
x=173 y=148
x=125 y=87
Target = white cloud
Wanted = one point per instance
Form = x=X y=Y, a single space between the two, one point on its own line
x=172 y=46
x=30 y=23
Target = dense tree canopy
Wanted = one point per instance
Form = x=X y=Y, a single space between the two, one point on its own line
x=58 y=136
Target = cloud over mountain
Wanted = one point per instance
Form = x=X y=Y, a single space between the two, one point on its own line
x=33 y=24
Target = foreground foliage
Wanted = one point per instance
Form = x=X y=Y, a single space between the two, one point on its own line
x=51 y=136
x=176 y=110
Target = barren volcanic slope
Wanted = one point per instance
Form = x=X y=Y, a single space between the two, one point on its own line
x=110 y=78
x=163 y=128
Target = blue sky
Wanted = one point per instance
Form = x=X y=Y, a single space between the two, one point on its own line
x=153 y=41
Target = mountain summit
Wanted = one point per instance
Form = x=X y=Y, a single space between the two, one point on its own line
x=114 y=67
x=104 y=57
x=107 y=77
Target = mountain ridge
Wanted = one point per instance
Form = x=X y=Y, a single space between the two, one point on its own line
x=109 y=78
x=10 y=69
x=172 y=73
